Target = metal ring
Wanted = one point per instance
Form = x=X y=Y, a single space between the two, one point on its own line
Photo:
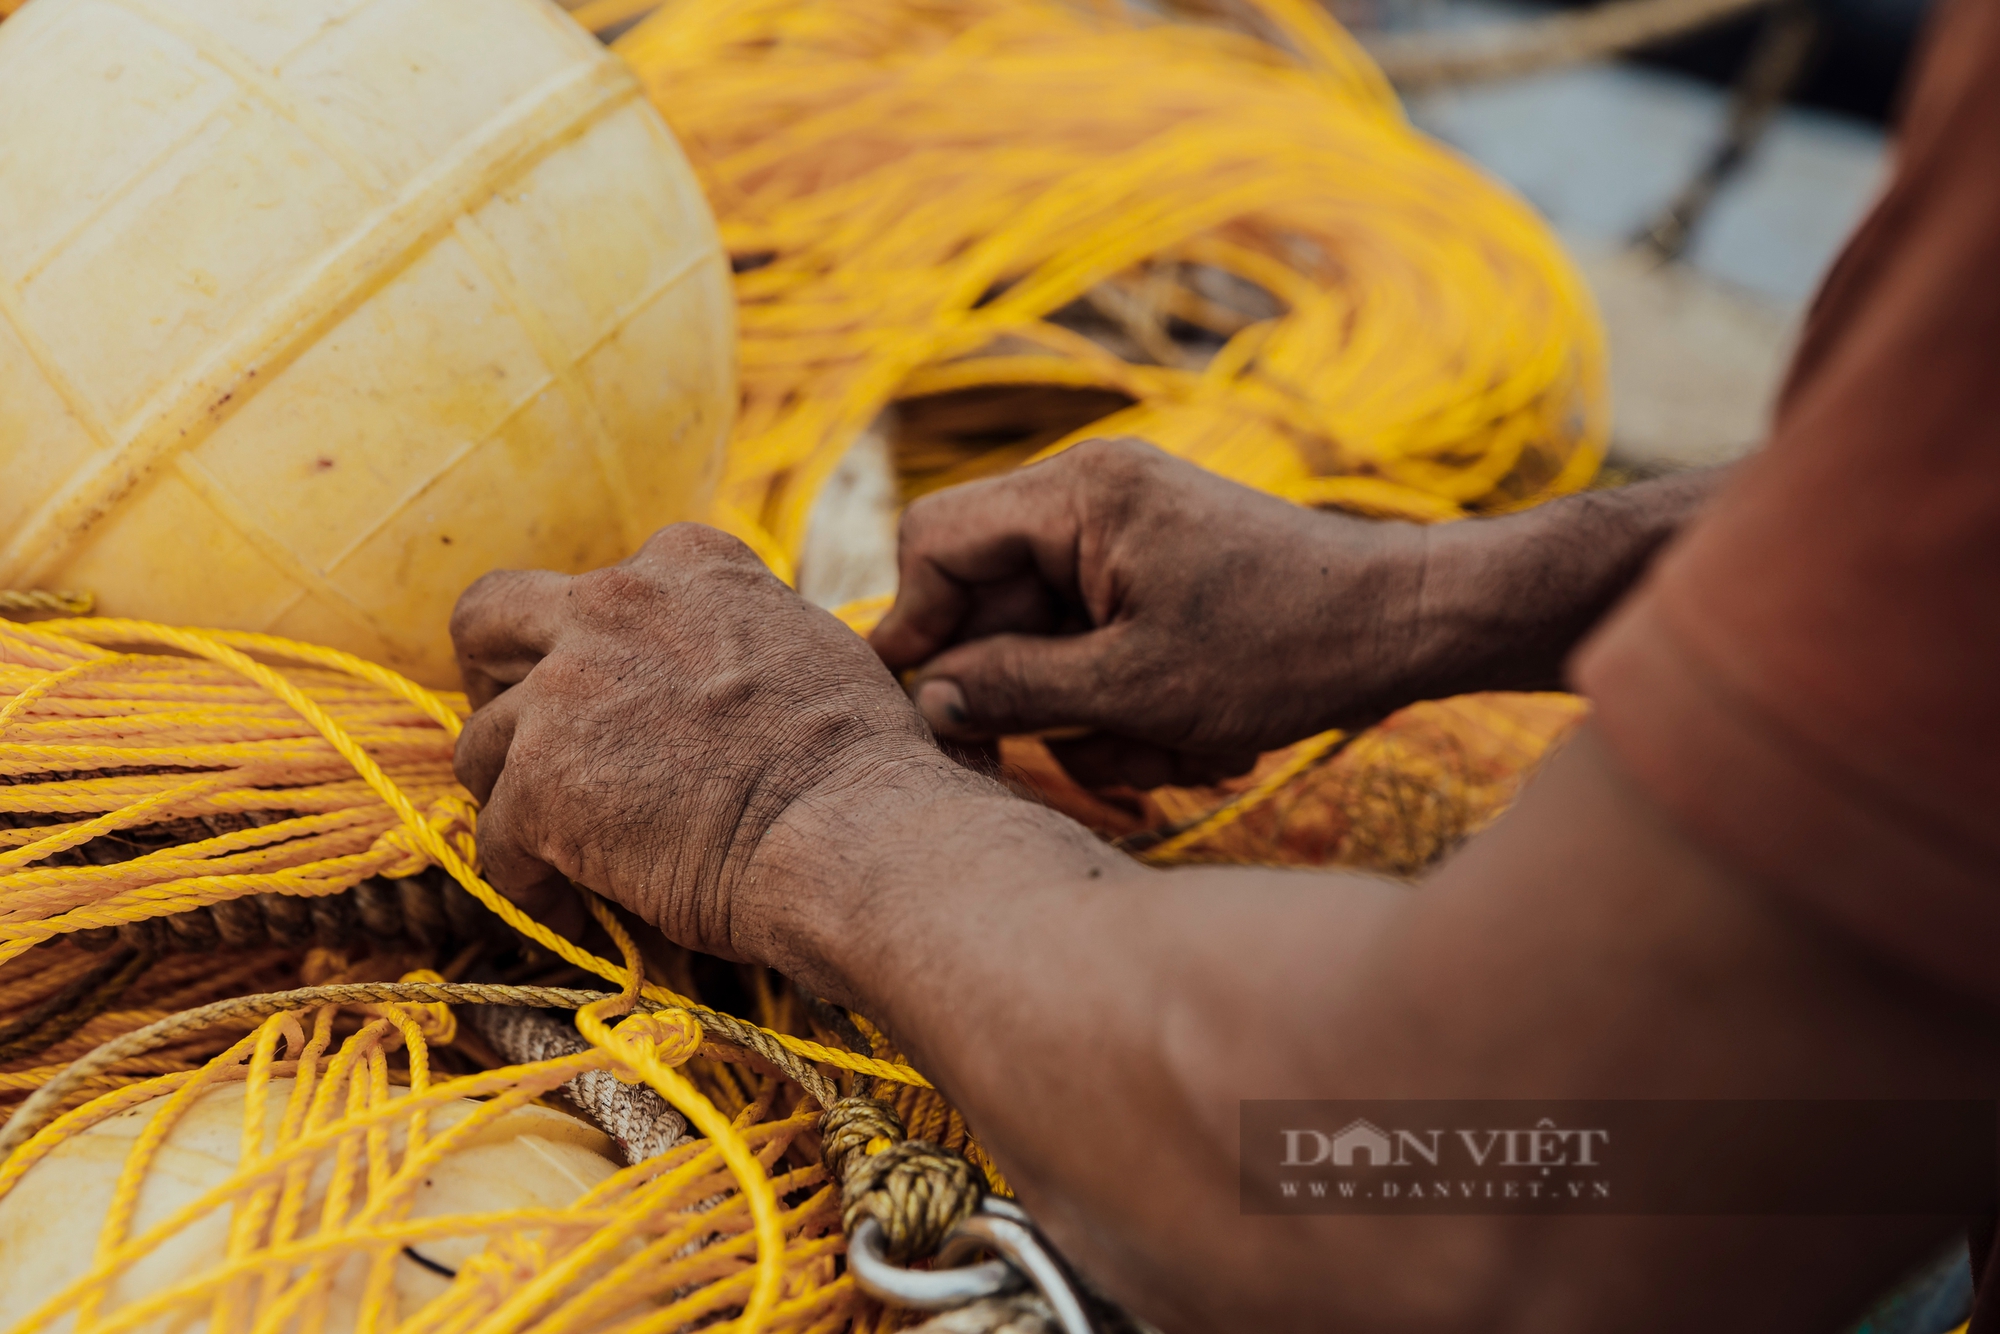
x=924 y=1289
x=1003 y=1226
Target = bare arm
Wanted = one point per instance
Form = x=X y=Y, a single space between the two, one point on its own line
x=1189 y=622
x=1581 y=949
x=689 y=738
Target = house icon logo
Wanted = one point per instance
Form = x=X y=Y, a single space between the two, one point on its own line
x=1364 y=1139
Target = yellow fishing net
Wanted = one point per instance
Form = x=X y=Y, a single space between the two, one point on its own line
x=982 y=228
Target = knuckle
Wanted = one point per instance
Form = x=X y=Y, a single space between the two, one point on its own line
x=614 y=596
x=698 y=543
x=932 y=525
x=1123 y=670
x=1117 y=457
x=1116 y=479
x=535 y=758
x=560 y=682
x=918 y=523
x=473 y=603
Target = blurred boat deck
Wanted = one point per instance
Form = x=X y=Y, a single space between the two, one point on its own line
x=1698 y=345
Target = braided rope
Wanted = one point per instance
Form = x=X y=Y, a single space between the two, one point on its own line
x=23 y=601
x=639 y=1048
x=41 y=1106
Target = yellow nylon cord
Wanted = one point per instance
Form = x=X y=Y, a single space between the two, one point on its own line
x=637 y=1042
x=365 y=850
x=282 y=1258
x=270 y=1284
x=1302 y=757
x=972 y=195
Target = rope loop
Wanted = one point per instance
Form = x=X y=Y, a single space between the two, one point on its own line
x=434 y=1019
x=666 y=1036
x=452 y=819
x=916 y=1190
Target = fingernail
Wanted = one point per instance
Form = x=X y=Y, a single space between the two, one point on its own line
x=943 y=705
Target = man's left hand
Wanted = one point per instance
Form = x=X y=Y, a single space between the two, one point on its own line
x=646 y=728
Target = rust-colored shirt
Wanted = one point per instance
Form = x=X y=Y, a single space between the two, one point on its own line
x=1809 y=678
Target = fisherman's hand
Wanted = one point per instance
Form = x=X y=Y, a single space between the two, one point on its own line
x=655 y=729
x=1186 y=621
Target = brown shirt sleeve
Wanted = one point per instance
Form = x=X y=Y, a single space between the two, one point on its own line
x=1809 y=679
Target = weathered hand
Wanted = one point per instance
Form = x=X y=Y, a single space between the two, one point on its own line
x=1187 y=621
x=645 y=729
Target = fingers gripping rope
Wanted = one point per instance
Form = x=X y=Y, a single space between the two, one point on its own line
x=443 y=833
x=640 y=1033
x=645 y=1031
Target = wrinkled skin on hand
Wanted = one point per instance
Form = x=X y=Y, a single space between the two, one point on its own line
x=1185 y=621
x=686 y=735
x=643 y=729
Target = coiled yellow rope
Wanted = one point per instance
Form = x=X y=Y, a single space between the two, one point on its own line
x=1304 y=293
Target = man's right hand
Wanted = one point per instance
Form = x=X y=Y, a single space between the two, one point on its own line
x=1186 y=622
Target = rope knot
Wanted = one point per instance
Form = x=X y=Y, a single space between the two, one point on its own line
x=434 y=1019
x=853 y=1125
x=452 y=819
x=917 y=1191
x=667 y=1036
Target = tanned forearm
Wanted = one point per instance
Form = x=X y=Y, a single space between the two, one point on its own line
x=1099 y=1024
x=684 y=735
x=1502 y=601
x=1183 y=623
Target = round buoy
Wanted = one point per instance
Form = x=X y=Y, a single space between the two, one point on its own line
x=533 y=1157
x=312 y=312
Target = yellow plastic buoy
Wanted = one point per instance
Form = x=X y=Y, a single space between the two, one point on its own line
x=313 y=311
x=531 y=1158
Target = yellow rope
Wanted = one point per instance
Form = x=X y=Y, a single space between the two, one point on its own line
x=293 y=1267
x=400 y=842
x=1303 y=757
x=283 y=1259
x=638 y=1041
x=923 y=195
